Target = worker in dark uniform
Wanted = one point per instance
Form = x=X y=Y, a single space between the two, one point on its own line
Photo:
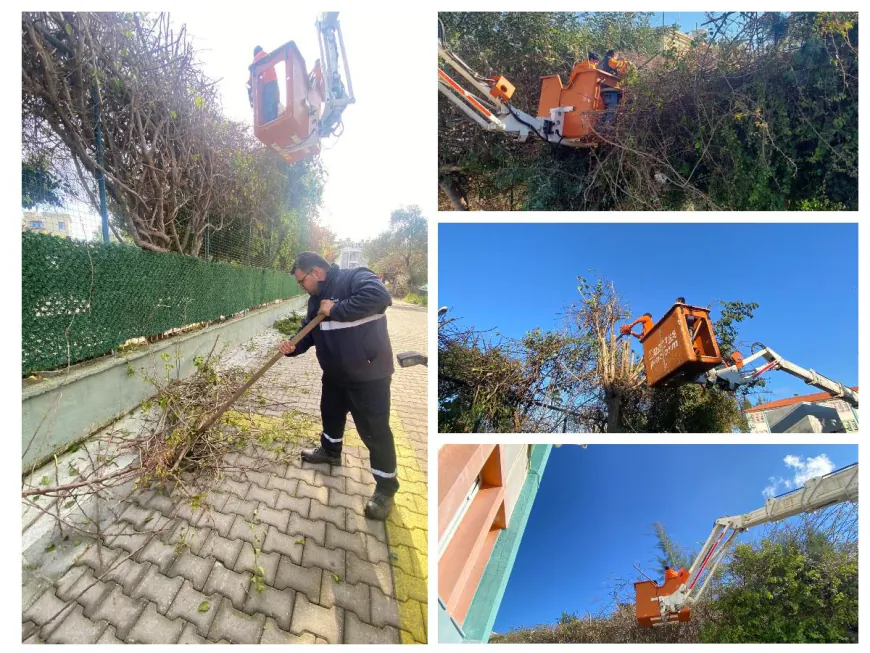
x=353 y=349
x=610 y=95
x=271 y=95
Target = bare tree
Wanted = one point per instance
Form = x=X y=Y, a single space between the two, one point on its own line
x=128 y=84
x=612 y=371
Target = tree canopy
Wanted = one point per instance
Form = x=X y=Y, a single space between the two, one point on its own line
x=583 y=377
x=123 y=95
x=401 y=252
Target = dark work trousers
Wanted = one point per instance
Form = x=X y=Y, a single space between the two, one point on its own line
x=270 y=101
x=610 y=99
x=369 y=404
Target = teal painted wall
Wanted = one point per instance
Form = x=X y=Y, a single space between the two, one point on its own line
x=449 y=631
x=478 y=623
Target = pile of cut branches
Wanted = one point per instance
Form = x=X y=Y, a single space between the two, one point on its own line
x=171 y=450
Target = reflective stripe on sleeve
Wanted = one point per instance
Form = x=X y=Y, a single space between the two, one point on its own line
x=329 y=325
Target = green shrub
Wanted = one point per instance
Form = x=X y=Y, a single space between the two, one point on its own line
x=289 y=325
x=419 y=300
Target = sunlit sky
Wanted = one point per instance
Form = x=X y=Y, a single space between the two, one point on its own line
x=649 y=272
x=596 y=508
x=386 y=157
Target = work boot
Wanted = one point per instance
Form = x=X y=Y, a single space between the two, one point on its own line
x=320 y=455
x=378 y=507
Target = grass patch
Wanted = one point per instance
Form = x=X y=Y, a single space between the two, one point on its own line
x=419 y=300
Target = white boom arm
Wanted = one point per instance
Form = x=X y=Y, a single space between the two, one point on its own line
x=491 y=112
x=741 y=374
x=337 y=97
x=817 y=493
x=486 y=110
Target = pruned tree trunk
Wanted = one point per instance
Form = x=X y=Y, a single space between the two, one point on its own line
x=613 y=400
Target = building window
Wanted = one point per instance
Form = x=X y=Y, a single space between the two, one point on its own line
x=61 y=226
x=36 y=224
x=457 y=518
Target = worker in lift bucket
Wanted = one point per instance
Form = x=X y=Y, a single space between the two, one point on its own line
x=271 y=95
x=644 y=320
x=671 y=573
x=592 y=60
x=691 y=320
x=354 y=352
x=611 y=96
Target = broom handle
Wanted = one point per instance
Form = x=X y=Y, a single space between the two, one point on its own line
x=256 y=376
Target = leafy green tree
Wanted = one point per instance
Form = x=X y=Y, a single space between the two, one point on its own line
x=401 y=253
x=794 y=588
x=671 y=553
x=39 y=186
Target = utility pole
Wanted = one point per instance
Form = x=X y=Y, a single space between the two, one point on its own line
x=101 y=179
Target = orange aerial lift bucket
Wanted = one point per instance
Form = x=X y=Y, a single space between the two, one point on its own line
x=647 y=593
x=295 y=124
x=583 y=92
x=671 y=352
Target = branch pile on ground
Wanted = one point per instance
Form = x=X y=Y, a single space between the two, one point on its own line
x=170 y=451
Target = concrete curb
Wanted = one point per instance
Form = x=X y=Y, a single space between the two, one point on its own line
x=69 y=407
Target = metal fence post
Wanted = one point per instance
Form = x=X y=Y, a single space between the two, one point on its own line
x=101 y=178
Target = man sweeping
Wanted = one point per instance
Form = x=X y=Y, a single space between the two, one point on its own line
x=353 y=349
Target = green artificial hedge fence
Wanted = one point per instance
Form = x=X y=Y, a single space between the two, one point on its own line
x=105 y=294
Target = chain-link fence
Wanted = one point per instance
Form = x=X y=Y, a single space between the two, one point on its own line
x=83 y=297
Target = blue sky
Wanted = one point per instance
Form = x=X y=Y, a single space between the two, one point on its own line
x=515 y=277
x=687 y=20
x=592 y=518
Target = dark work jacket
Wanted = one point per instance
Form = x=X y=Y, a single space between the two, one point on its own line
x=352 y=343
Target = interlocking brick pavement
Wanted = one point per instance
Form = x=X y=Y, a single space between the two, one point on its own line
x=278 y=554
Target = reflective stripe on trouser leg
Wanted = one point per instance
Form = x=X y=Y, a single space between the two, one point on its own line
x=333 y=413
x=337 y=441
x=370 y=407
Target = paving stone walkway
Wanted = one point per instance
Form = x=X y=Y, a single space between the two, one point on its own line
x=280 y=554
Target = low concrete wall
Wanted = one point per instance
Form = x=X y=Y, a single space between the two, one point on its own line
x=67 y=408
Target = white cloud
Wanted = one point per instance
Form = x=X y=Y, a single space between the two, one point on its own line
x=802 y=470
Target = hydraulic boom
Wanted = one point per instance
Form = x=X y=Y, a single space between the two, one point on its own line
x=737 y=374
x=673 y=601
